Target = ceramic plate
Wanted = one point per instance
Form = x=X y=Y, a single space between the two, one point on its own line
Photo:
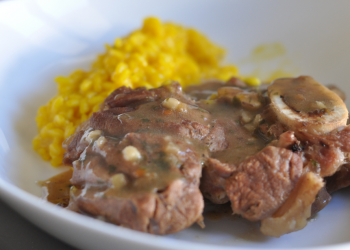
x=43 y=39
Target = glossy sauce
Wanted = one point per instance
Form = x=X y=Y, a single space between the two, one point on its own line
x=58 y=188
x=242 y=143
x=156 y=174
x=306 y=95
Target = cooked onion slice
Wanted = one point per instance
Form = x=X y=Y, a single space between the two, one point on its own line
x=302 y=104
x=293 y=214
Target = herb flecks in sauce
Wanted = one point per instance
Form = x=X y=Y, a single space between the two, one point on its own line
x=58 y=188
x=161 y=156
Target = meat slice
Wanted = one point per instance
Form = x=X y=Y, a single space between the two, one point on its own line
x=215 y=172
x=146 y=114
x=131 y=97
x=216 y=139
x=213 y=180
x=119 y=91
x=120 y=125
x=293 y=214
x=339 y=180
x=327 y=152
x=159 y=191
x=170 y=211
x=323 y=160
x=138 y=163
x=339 y=138
x=90 y=171
x=145 y=159
x=75 y=147
x=263 y=182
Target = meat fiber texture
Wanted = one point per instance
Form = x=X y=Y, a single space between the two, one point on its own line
x=160 y=190
x=191 y=149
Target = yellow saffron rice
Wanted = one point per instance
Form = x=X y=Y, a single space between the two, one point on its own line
x=149 y=57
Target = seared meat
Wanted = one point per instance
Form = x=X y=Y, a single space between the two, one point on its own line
x=263 y=182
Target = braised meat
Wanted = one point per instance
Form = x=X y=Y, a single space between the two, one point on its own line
x=140 y=165
x=213 y=181
x=339 y=180
x=157 y=192
x=148 y=158
x=263 y=182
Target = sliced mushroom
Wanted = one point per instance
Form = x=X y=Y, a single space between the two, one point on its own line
x=302 y=104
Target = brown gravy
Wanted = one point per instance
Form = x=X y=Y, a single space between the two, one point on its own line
x=307 y=95
x=216 y=212
x=242 y=143
x=58 y=188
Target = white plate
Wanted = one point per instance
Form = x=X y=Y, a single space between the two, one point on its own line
x=42 y=39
